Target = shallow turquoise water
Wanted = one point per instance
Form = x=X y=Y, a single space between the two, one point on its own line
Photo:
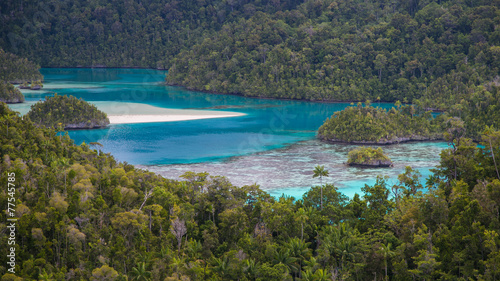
x=273 y=144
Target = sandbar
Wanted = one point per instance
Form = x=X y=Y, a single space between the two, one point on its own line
x=129 y=119
x=129 y=113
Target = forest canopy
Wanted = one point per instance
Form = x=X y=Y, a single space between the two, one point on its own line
x=368 y=156
x=437 y=52
x=14 y=69
x=67 y=112
x=370 y=125
x=9 y=93
x=83 y=215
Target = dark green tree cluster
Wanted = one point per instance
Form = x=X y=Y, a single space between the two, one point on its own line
x=67 y=112
x=368 y=156
x=17 y=70
x=147 y=33
x=358 y=124
x=479 y=109
x=14 y=69
x=83 y=216
x=9 y=93
x=349 y=51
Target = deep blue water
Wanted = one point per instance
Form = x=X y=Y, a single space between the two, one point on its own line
x=237 y=147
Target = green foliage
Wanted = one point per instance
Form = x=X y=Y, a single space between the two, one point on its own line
x=9 y=94
x=116 y=33
x=349 y=51
x=375 y=125
x=67 y=113
x=83 y=216
x=367 y=156
x=17 y=70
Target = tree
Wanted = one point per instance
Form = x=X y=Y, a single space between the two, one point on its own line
x=299 y=250
x=386 y=251
x=380 y=63
x=64 y=164
x=104 y=273
x=301 y=216
x=489 y=136
x=283 y=257
x=141 y=273
x=319 y=171
x=178 y=229
x=251 y=268
x=177 y=263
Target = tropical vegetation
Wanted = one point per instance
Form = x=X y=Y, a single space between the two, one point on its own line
x=15 y=70
x=67 y=112
x=358 y=124
x=368 y=156
x=83 y=215
x=9 y=93
x=437 y=52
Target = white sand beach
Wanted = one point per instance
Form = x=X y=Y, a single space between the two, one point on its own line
x=129 y=119
x=128 y=113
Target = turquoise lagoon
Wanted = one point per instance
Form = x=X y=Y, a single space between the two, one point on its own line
x=272 y=145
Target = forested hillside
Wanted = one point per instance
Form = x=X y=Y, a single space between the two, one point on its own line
x=115 y=33
x=435 y=51
x=82 y=215
x=14 y=69
x=364 y=125
x=335 y=50
x=9 y=94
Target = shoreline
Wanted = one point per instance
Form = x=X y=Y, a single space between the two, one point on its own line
x=139 y=118
x=217 y=93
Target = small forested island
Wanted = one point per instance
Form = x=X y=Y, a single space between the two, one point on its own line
x=67 y=112
x=370 y=125
x=16 y=70
x=368 y=157
x=9 y=93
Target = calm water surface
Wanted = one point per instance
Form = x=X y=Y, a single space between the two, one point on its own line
x=273 y=145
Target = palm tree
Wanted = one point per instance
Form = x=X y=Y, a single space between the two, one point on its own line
x=251 y=268
x=319 y=171
x=299 y=250
x=222 y=266
x=386 y=251
x=302 y=218
x=284 y=258
x=45 y=276
x=177 y=263
x=141 y=273
x=321 y=275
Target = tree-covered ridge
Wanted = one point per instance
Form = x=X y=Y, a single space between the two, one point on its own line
x=368 y=156
x=9 y=93
x=147 y=33
x=82 y=215
x=376 y=125
x=479 y=109
x=67 y=112
x=14 y=69
x=435 y=51
x=17 y=70
x=348 y=51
